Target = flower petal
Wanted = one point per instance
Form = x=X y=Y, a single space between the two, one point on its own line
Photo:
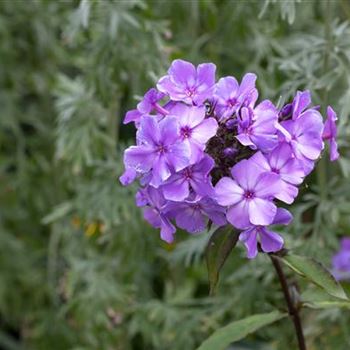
x=238 y=215
x=176 y=189
x=141 y=158
x=282 y=217
x=183 y=72
x=205 y=130
x=227 y=192
x=179 y=155
x=191 y=220
x=169 y=130
x=261 y=211
x=206 y=75
x=246 y=173
x=249 y=238
x=167 y=230
x=270 y=241
x=148 y=132
x=267 y=185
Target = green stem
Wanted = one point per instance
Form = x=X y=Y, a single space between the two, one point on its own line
x=292 y=308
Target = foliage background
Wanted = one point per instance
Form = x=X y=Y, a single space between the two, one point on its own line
x=79 y=268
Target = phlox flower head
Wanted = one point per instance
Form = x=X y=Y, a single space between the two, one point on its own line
x=207 y=153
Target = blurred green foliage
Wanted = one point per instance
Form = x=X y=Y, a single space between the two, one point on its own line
x=79 y=268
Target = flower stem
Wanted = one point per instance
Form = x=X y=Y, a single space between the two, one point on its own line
x=292 y=308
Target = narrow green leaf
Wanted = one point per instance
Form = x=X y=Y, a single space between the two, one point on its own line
x=238 y=330
x=319 y=299
x=316 y=273
x=220 y=245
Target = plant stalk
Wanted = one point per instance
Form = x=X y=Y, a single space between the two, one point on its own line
x=292 y=308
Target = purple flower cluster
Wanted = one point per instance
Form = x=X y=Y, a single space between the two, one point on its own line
x=206 y=151
x=341 y=261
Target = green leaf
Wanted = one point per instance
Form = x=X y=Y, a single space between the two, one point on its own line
x=220 y=245
x=316 y=273
x=238 y=330
x=318 y=299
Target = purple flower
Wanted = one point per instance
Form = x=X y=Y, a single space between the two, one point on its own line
x=249 y=196
x=177 y=187
x=282 y=162
x=195 y=129
x=257 y=127
x=330 y=133
x=207 y=133
x=341 y=261
x=300 y=102
x=187 y=84
x=159 y=150
x=230 y=96
x=154 y=212
x=148 y=104
x=304 y=134
x=270 y=241
x=192 y=214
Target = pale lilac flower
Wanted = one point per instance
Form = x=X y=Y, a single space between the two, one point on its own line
x=257 y=127
x=192 y=215
x=330 y=133
x=195 y=129
x=154 y=212
x=148 y=105
x=270 y=241
x=159 y=150
x=304 y=134
x=187 y=84
x=282 y=162
x=341 y=261
x=249 y=196
x=230 y=96
x=177 y=187
x=301 y=100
